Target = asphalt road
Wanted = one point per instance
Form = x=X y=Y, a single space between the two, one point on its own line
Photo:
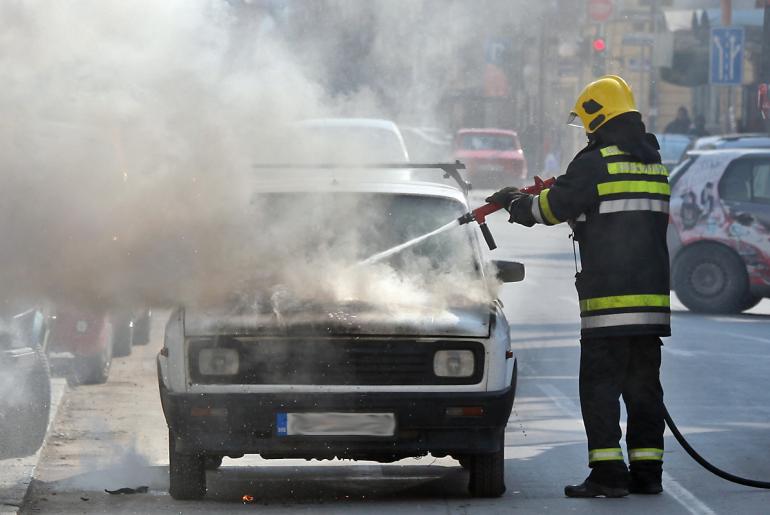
x=715 y=375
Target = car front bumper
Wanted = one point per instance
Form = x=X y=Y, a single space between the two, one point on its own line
x=246 y=423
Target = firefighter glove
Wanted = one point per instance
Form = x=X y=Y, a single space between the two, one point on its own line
x=517 y=203
x=504 y=196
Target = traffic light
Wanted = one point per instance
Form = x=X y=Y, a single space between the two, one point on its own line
x=598 y=56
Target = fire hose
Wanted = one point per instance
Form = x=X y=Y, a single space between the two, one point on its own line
x=479 y=215
x=705 y=464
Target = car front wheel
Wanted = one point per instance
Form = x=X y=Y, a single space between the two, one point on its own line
x=487 y=474
x=187 y=473
x=711 y=279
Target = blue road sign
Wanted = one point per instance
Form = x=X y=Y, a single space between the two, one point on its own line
x=727 y=45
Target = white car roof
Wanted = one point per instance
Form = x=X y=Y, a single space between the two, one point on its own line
x=732 y=152
x=353 y=181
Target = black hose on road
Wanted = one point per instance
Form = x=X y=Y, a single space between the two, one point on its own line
x=705 y=464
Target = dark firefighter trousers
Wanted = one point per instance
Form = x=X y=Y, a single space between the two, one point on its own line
x=627 y=366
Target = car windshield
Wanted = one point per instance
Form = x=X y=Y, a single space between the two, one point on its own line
x=315 y=249
x=487 y=142
x=680 y=169
x=672 y=147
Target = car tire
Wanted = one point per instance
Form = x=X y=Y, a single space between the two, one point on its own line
x=212 y=461
x=122 y=333
x=30 y=421
x=711 y=279
x=93 y=369
x=187 y=473
x=141 y=334
x=487 y=474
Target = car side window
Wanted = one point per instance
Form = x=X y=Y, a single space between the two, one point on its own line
x=761 y=182
x=736 y=182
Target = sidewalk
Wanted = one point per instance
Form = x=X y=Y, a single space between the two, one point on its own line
x=16 y=473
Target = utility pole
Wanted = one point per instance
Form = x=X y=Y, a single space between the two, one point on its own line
x=764 y=73
x=727 y=20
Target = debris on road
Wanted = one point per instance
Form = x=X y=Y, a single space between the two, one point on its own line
x=120 y=491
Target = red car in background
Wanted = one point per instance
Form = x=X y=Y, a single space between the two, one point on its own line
x=83 y=339
x=493 y=157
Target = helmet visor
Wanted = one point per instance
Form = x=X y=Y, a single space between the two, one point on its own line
x=574 y=120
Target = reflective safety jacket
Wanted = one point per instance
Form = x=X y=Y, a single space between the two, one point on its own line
x=618 y=208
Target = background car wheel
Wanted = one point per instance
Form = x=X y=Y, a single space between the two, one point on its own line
x=141 y=335
x=212 y=462
x=187 y=474
x=23 y=427
x=92 y=369
x=487 y=474
x=121 y=337
x=711 y=279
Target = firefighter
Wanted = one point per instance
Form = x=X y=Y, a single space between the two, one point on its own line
x=615 y=195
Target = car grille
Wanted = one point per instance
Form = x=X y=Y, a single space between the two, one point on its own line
x=358 y=362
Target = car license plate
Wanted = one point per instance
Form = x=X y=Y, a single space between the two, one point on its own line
x=336 y=424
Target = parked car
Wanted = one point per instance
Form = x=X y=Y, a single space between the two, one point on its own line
x=747 y=140
x=130 y=327
x=719 y=234
x=350 y=140
x=25 y=385
x=673 y=148
x=427 y=144
x=493 y=157
x=81 y=343
x=355 y=378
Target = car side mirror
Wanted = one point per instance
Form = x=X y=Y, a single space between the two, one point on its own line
x=509 y=271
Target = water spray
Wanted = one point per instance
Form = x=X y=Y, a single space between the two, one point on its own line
x=478 y=215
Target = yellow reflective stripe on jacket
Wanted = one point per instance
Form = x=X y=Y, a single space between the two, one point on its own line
x=609 y=188
x=611 y=454
x=648 y=454
x=612 y=151
x=637 y=168
x=545 y=208
x=625 y=301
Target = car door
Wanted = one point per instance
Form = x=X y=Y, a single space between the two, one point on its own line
x=745 y=191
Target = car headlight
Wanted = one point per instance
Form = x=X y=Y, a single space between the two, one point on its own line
x=453 y=363
x=218 y=362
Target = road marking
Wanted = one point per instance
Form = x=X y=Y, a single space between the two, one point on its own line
x=685 y=497
x=677 y=352
x=563 y=402
x=670 y=486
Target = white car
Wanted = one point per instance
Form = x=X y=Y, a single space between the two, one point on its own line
x=357 y=140
x=409 y=357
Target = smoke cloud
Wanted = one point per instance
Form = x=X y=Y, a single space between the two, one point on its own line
x=129 y=132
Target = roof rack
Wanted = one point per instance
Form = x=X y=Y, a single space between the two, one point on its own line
x=451 y=170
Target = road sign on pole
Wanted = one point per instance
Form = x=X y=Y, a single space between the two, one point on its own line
x=727 y=45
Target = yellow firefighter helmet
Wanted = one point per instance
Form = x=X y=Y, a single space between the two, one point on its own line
x=601 y=101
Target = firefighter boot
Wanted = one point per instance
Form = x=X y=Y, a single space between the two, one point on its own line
x=646 y=477
x=607 y=479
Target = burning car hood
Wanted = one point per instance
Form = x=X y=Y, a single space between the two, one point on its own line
x=473 y=321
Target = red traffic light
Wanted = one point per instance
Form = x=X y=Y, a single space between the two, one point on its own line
x=599 y=45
